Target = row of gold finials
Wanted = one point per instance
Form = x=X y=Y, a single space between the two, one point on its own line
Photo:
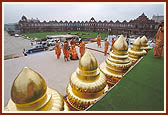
x=87 y=84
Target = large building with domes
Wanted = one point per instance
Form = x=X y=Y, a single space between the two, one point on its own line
x=139 y=26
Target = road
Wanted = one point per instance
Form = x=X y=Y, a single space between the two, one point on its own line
x=13 y=46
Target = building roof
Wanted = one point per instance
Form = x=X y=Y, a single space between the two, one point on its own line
x=141 y=18
x=92 y=18
x=118 y=22
x=158 y=18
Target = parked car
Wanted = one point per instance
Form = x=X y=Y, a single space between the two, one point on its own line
x=37 y=48
x=51 y=42
x=43 y=43
x=16 y=35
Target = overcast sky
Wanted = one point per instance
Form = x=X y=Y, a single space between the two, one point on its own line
x=80 y=11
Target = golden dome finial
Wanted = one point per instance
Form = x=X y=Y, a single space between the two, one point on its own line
x=137 y=42
x=136 y=51
x=144 y=40
x=88 y=62
x=120 y=44
x=144 y=44
x=29 y=92
x=86 y=84
x=27 y=87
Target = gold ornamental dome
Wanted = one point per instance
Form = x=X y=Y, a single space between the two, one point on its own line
x=29 y=92
x=137 y=41
x=87 y=83
x=27 y=87
x=117 y=63
x=88 y=62
x=137 y=44
x=144 y=40
x=120 y=46
x=136 y=51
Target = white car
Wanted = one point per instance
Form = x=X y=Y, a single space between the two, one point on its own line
x=51 y=42
x=16 y=35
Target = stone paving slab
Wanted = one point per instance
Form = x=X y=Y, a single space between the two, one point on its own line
x=94 y=46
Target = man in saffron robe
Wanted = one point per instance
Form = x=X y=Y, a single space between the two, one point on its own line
x=57 y=49
x=159 y=42
x=72 y=42
x=82 y=48
x=66 y=51
x=99 y=40
x=106 y=44
x=73 y=53
x=112 y=43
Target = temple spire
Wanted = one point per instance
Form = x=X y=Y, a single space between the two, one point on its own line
x=86 y=84
x=117 y=63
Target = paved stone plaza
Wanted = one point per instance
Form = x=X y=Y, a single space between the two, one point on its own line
x=55 y=72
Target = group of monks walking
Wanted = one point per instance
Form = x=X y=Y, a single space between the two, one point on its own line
x=70 y=51
x=106 y=44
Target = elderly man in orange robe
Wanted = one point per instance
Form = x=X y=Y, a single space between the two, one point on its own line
x=159 y=42
x=99 y=40
x=66 y=51
x=112 y=43
x=73 y=53
x=82 y=48
x=57 y=49
x=106 y=44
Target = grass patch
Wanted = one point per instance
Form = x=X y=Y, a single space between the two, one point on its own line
x=142 y=89
x=81 y=34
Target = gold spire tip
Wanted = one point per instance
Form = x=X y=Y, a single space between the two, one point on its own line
x=88 y=62
x=120 y=43
x=144 y=40
x=27 y=87
x=137 y=41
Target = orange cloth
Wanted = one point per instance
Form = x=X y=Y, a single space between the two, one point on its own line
x=159 y=42
x=112 y=43
x=99 y=40
x=82 y=48
x=72 y=42
x=106 y=44
x=73 y=52
x=57 y=50
x=65 y=50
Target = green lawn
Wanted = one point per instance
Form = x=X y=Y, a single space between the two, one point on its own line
x=142 y=89
x=81 y=34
